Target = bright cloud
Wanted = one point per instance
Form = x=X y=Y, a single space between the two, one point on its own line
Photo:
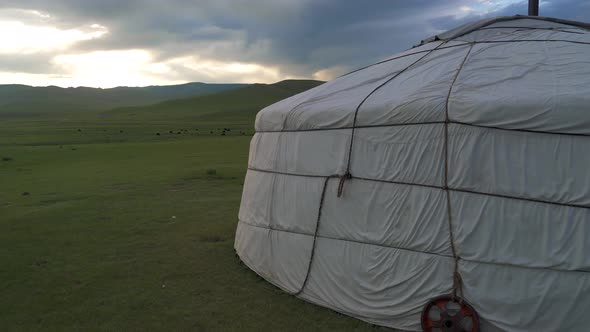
x=139 y=68
x=20 y=38
x=100 y=69
x=106 y=68
x=486 y=6
x=214 y=71
x=329 y=73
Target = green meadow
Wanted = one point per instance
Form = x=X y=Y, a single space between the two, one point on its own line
x=124 y=220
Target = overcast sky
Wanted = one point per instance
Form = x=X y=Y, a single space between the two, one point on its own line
x=110 y=43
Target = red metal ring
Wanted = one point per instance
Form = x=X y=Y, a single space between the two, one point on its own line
x=450 y=320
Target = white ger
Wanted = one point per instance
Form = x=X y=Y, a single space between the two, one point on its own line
x=460 y=167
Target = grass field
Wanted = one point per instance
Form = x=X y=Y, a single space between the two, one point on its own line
x=107 y=226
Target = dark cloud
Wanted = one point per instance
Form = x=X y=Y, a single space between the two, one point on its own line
x=298 y=36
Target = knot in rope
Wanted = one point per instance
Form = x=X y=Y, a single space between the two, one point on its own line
x=343 y=178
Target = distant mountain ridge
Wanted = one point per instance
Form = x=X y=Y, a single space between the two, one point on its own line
x=254 y=95
x=265 y=92
x=237 y=106
x=27 y=99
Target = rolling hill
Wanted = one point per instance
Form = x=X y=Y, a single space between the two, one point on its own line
x=23 y=99
x=235 y=108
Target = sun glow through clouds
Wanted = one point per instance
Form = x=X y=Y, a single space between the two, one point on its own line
x=26 y=39
x=36 y=33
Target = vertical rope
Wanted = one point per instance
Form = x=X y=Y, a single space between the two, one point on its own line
x=347 y=174
x=315 y=236
x=457 y=281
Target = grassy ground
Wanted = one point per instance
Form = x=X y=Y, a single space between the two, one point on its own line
x=106 y=226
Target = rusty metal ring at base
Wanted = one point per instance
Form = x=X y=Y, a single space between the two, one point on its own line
x=454 y=315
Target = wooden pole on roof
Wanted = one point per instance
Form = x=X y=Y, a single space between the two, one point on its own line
x=533 y=7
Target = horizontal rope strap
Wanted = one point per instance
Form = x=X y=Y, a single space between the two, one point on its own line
x=563 y=29
x=532 y=131
x=431 y=186
x=342 y=239
x=519 y=198
x=427 y=186
x=530 y=40
x=350 y=127
x=291 y=174
x=319 y=236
